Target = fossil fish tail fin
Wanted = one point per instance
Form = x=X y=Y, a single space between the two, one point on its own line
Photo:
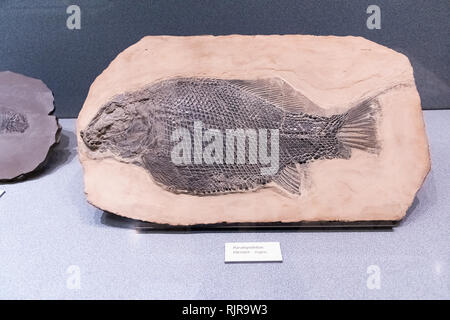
x=358 y=129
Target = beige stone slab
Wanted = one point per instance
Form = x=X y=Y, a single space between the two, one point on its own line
x=333 y=72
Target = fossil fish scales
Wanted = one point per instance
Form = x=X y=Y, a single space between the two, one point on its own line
x=191 y=118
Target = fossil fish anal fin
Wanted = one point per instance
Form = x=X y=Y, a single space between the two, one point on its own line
x=278 y=93
x=289 y=179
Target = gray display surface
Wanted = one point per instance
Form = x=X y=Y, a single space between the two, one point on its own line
x=36 y=41
x=49 y=234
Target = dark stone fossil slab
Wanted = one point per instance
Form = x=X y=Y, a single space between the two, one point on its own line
x=28 y=128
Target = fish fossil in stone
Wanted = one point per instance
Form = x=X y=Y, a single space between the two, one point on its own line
x=12 y=121
x=138 y=128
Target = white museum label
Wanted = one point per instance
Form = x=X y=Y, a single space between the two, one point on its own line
x=2 y=192
x=253 y=252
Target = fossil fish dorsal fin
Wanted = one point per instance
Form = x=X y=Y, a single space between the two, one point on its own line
x=276 y=92
x=289 y=179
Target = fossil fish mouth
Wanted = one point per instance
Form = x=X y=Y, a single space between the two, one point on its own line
x=90 y=141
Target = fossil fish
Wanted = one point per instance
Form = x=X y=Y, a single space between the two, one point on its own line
x=137 y=128
x=12 y=121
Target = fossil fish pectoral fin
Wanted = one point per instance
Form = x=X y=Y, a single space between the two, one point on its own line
x=163 y=171
x=276 y=92
x=289 y=179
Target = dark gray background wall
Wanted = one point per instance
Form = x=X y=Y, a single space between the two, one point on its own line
x=35 y=41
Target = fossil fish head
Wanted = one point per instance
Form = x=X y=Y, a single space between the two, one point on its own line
x=123 y=129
